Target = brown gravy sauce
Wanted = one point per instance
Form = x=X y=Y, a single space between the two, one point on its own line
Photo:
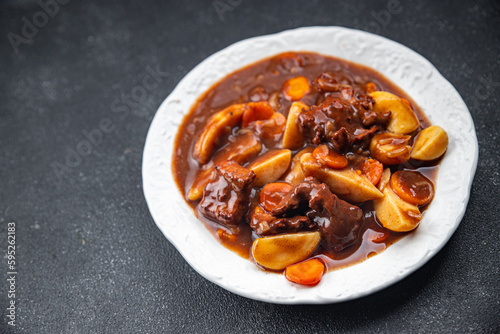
x=270 y=74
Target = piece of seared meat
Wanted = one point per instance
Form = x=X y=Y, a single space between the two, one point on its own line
x=343 y=120
x=266 y=224
x=338 y=221
x=225 y=198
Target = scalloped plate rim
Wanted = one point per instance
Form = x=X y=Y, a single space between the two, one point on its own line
x=152 y=201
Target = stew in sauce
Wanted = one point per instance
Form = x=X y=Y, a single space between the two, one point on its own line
x=305 y=163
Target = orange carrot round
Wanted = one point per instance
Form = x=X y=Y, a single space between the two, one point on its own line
x=296 y=88
x=272 y=193
x=271 y=129
x=327 y=156
x=308 y=272
x=380 y=236
x=370 y=87
x=373 y=170
x=256 y=111
x=412 y=187
x=224 y=235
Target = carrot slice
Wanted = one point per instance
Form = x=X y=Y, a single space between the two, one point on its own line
x=380 y=236
x=270 y=130
x=272 y=193
x=257 y=111
x=370 y=87
x=327 y=156
x=296 y=88
x=372 y=169
x=412 y=187
x=224 y=235
x=308 y=272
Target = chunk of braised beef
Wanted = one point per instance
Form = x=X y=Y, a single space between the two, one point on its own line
x=266 y=224
x=339 y=222
x=297 y=199
x=344 y=118
x=371 y=118
x=226 y=197
x=340 y=122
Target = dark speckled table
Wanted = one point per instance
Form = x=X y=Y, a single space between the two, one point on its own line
x=89 y=257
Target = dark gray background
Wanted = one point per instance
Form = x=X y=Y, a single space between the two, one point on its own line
x=90 y=257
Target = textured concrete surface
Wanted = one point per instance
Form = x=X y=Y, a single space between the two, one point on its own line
x=89 y=257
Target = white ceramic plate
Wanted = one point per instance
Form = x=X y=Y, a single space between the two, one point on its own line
x=410 y=71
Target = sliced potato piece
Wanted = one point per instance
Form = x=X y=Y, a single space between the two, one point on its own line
x=295 y=175
x=384 y=179
x=279 y=251
x=270 y=166
x=293 y=138
x=214 y=128
x=430 y=144
x=241 y=149
x=403 y=120
x=202 y=178
x=345 y=183
x=395 y=214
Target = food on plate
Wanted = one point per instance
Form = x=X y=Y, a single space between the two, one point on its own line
x=412 y=187
x=295 y=88
x=402 y=119
x=305 y=163
x=270 y=166
x=350 y=184
x=293 y=138
x=279 y=251
x=430 y=144
x=390 y=148
x=308 y=272
x=395 y=213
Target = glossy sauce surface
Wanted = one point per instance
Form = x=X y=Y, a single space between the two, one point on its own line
x=264 y=81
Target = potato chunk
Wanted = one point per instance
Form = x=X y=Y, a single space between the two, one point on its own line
x=215 y=127
x=395 y=214
x=295 y=175
x=279 y=251
x=403 y=120
x=270 y=166
x=384 y=179
x=293 y=138
x=242 y=147
x=345 y=183
x=430 y=144
x=201 y=180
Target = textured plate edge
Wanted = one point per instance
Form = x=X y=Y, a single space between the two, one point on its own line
x=363 y=293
